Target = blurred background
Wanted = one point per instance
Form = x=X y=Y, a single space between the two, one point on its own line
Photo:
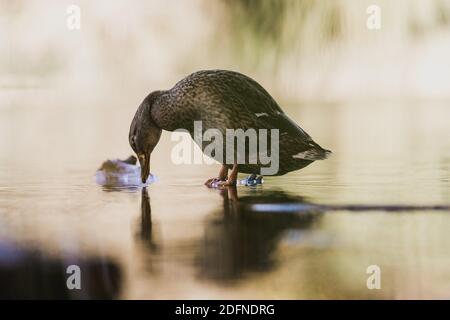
x=301 y=50
x=378 y=98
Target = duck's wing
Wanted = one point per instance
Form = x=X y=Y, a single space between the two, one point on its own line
x=218 y=97
x=225 y=99
x=250 y=94
x=294 y=138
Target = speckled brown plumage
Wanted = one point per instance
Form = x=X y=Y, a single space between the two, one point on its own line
x=221 y=100
x=229 y=100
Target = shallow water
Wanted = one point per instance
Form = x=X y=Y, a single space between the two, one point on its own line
x=178 y=239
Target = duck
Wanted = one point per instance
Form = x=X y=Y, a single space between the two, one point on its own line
x=222 y=100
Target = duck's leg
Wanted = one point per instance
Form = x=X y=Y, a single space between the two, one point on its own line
x=223 y=176
x=232 y=178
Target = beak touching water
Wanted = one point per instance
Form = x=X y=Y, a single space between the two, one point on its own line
x=144 y=160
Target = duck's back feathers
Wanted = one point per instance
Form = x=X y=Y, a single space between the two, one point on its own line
x=217 y=97
x=229 y=100
x=282 y=122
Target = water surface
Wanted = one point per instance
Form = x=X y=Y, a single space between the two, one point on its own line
x=178 y=239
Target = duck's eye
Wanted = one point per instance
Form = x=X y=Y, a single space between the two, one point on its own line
x=133 y=142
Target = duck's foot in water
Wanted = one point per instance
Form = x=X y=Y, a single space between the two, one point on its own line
x=211 y=183
x=224 y=180
x=226 y=183
x=223 y=176
x=252 y=180
x=218 y=182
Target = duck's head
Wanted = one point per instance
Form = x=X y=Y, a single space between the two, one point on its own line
x=144 y=134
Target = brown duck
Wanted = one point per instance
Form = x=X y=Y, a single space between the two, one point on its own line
x=222 y=100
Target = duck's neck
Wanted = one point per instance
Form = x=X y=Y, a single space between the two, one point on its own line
x=150 y=106
x=164 y=110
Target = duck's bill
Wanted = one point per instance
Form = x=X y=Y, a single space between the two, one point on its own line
x=144 y=160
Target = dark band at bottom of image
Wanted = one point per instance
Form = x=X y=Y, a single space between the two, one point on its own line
x=232 y=309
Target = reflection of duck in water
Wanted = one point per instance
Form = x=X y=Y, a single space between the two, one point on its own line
x=146 y=226
x=145 y=235
x=240 y=240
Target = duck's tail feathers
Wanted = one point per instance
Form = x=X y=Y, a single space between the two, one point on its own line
x=313 y=154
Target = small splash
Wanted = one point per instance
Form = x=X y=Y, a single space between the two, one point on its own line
x=122 y=173
x=252 y=180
